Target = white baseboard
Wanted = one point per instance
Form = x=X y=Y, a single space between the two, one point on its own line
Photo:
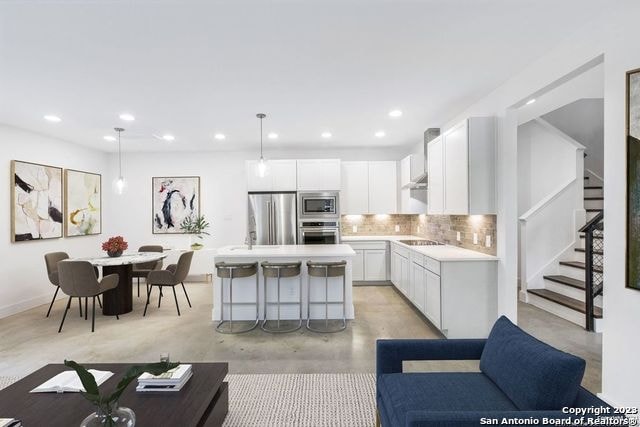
x=27 y=304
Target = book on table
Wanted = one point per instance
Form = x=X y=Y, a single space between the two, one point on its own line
x=10 y=422
x=69 y=382
x=172 y=380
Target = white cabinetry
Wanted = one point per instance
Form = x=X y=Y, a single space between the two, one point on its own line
x=418 y=286
x=432 y=298
x=280 y=176
x=461 y=166
x=368 y=187
x=371 y=262
x=318 y=174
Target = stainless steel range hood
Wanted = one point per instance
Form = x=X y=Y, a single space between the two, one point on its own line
x=419 y=178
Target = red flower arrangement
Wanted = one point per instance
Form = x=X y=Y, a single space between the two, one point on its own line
x=115 y=245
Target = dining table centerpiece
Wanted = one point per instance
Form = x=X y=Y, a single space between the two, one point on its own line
x=108 y=412
x=115 y=246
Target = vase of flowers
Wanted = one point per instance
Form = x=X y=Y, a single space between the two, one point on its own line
x=108 y=413
x=115 y=246
x=197 y=227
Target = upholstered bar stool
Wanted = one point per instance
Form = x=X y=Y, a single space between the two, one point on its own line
x=279 y=271
x=326 y=270
x=227 y=270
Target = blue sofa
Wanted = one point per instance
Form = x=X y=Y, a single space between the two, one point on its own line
x=520 y=377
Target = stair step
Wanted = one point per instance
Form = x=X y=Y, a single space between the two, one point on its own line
x=586 y=177
x=594 y=198
x=580 y=265
x=593 y=187
x=566 y=301
x=584 y=251
x=569 y=281
x=595 y=237
x=593 y=210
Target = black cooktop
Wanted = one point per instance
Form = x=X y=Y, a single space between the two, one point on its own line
x=420 y=242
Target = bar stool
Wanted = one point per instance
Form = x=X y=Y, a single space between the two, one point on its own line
x=326 y=270
x=279 y=271
x=232 y=271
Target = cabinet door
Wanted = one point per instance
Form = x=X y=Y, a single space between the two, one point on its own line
x=394 y=267
x=456 y=170
x=375 y=264
x=319 y=174
x=358 y=265
x=354 y=194
x=382 y=188
x=404 y=275
x=433 y=305
x=283 y=175
x=418 y=279
x=405 y=171
x=435 y=186
x=255 y=182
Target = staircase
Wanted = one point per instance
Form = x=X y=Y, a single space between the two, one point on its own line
x=575 y=291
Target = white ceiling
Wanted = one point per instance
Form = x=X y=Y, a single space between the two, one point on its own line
x=194 y=68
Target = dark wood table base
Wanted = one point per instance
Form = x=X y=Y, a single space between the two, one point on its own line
x=120 y=299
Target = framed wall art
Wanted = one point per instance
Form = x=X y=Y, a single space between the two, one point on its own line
x=633 y=179
x=83 y=203
x=36 y=201
x=173 y=200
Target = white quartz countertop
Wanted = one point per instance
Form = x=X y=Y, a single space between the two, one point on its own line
x=443 y=253
x=286 y=251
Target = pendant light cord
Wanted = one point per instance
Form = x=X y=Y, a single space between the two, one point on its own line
x=119 y=156
x=261 y=137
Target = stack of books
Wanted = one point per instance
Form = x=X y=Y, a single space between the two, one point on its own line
x=172 y=380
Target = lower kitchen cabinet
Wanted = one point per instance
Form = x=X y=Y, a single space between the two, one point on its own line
x=358 y=265
x=371 y=262
x=418 y=287
x=432 y=306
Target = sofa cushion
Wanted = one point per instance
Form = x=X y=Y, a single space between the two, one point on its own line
x=534 y=375
x=450 y=391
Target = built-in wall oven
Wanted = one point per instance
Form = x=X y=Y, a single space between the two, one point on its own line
x=319 y=232
x=319 y=205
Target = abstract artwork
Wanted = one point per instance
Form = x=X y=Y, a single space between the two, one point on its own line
x=174 y=199
x=36 y=201
x=83 y=197
x=633 y=179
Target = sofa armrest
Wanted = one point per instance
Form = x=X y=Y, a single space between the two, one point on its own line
x=391 y=353
x=476 y=418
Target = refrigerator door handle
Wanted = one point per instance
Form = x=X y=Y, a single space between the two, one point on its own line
x=274 y=223
x=268 y=223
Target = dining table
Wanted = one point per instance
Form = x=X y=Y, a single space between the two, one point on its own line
x=119 y=300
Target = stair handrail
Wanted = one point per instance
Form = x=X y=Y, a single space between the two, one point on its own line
x=589 y=297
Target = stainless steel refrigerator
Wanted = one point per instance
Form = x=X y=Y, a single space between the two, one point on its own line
x=272 y=216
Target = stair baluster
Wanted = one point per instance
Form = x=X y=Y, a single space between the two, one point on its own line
x=593 y=275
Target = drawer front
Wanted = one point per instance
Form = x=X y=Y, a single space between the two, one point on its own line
x=381 y=245
x=402 y=251
x=418 y=258
x=432 y=265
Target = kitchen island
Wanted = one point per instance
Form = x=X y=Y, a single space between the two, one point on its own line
x=244 y=288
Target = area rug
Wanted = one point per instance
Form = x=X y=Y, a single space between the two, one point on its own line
x=313 y=400
x=7 y=381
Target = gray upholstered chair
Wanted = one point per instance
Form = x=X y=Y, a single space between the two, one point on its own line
x=51 y=260
x=173 y=275
x=142 y=270
x=79 y=279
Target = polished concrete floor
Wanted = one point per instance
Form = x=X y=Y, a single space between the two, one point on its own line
x=29 y=340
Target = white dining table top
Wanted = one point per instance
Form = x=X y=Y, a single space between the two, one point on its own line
x=124 y=259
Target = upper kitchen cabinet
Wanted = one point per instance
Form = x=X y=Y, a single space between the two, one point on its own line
x=280 y=176
x=369 y=188
x=319 y=175
x=461 y=167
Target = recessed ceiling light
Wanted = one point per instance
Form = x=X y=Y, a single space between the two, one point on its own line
x=326 y=134
x=168 y=137
x=110 y=138
x=380 y=134
x=272 y=135
x=395 y=113
x=219 y=136
x=531 y=101
x=127 y=117
x=52 y=118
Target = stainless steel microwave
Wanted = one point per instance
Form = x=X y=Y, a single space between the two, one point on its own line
x=319 y=205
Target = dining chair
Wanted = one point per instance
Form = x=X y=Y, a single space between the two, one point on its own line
x=78 y=279
x=51 y=260
x=173 y=275
x=142 y=270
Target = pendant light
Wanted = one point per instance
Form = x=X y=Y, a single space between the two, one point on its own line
x=262 y=163
x=119 y=184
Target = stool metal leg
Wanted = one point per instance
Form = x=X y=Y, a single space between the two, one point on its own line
x=326 y=303
x=278 y=330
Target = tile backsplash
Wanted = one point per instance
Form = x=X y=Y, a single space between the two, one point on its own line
x=443 y=228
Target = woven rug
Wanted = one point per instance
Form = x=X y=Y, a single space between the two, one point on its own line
x=313 y=400
x=296 y=400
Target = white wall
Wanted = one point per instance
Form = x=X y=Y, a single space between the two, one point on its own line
x=545 y=162
x=612 y=35
x=24 y=278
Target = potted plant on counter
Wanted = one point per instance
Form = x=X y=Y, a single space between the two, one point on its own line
x=197 y=226
x=115 y=246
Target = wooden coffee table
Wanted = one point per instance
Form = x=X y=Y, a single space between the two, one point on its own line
x=203 y=401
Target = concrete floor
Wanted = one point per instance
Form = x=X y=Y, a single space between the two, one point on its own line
x=29 y=340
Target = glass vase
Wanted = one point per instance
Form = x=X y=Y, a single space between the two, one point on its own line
x=110 y=416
